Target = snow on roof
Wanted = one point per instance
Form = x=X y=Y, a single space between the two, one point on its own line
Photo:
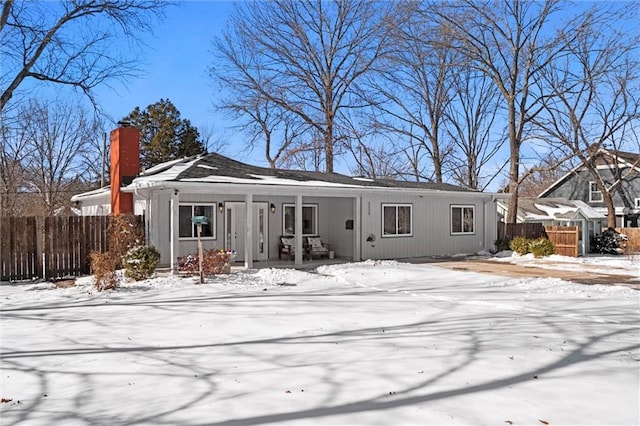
x=96 y=193
x=266 y=180
x=172 y=172
x=555 y=208
x=215 y=168
x=164 y=166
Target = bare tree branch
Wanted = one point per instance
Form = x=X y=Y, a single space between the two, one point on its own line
x=306 y=58
x=69 y=43
x=511 y=41
x=596 y=98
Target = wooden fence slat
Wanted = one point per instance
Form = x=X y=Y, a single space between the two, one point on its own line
x=507 y=231
x=65 y=243
x=565 y=239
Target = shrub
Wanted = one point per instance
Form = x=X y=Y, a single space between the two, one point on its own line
x=140 y=262
x=103 y=267
x=502 y=244
x=520 y=245
x=609 y=242
x=541 y=247
x=213 y=262
x=123 y=235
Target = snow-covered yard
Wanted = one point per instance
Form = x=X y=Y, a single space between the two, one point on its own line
x=373 y=343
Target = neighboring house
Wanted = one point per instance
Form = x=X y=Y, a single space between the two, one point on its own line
x=94 y=203
x=578 y=184
x=67 y=211
x=560 y=212
x=249 y=208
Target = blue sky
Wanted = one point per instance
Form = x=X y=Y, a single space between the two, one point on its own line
x=175 y=66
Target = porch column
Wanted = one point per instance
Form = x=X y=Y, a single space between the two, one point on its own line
x=248 y=237
x=584 y=228
x=173 y=240
x=154 y=229
x=357 y=229
x=298 y=225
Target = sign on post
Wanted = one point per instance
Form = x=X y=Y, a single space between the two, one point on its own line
x=199 y=221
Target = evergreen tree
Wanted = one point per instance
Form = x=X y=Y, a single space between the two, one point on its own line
x=164 y=136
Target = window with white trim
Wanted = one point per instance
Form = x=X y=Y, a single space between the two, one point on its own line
x=187 y=230
x=595 y=196
x=309 y=219
x=397 y=220
x=463 y=220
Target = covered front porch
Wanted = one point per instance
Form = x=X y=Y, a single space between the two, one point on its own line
x=250 y=220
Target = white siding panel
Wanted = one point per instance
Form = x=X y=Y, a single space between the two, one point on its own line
x=162 y=227
x=95 y=207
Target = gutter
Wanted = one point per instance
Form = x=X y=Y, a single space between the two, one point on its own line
x=308 y=190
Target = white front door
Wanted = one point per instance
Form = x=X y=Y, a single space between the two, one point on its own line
x=235 y=228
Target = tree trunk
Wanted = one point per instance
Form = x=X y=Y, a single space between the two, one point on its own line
x=437 y=163
x=514 y=168
x=611 y=210
x=328 y=147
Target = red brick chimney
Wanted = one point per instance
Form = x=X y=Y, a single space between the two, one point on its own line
x=125 y=165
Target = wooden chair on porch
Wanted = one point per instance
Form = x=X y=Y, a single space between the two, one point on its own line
x=287 y=246
x=315 y=247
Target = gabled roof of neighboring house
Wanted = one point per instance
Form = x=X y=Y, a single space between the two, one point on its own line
x=626 y=159
x=67 y=211
x=216 y=168
x=532 y=209
x=632 y=159
x=96 y=193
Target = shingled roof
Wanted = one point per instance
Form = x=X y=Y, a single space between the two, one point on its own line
x=218 y=168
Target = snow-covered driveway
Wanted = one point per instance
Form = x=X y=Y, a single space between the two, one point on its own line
x=373 y=343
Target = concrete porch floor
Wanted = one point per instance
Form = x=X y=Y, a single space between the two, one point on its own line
x=275 y=263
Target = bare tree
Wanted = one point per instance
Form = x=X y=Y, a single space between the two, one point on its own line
x=55 y=135
x=596 y=97
x=374 y=154
x=415 y=82
x=210 y=138
x=472 y=126
x=69 y=42
x=275 y=129
x=511 y=41
x=306 y=154
x=95 y=158
x=543 y=174
x=13 y=151
x=304 y=57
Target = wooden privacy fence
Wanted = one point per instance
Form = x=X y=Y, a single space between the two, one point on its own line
x=507 y=231
x=633 y=235
x=51 y=247
x=564 y=238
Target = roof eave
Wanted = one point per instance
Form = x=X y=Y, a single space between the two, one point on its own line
x=306 y=190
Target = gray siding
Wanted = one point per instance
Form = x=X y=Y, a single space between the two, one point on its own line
x=431 y=224
x=431 y=227
x=576 y=187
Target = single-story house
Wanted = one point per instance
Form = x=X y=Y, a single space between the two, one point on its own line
x=249 y=208
x=560 y=212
